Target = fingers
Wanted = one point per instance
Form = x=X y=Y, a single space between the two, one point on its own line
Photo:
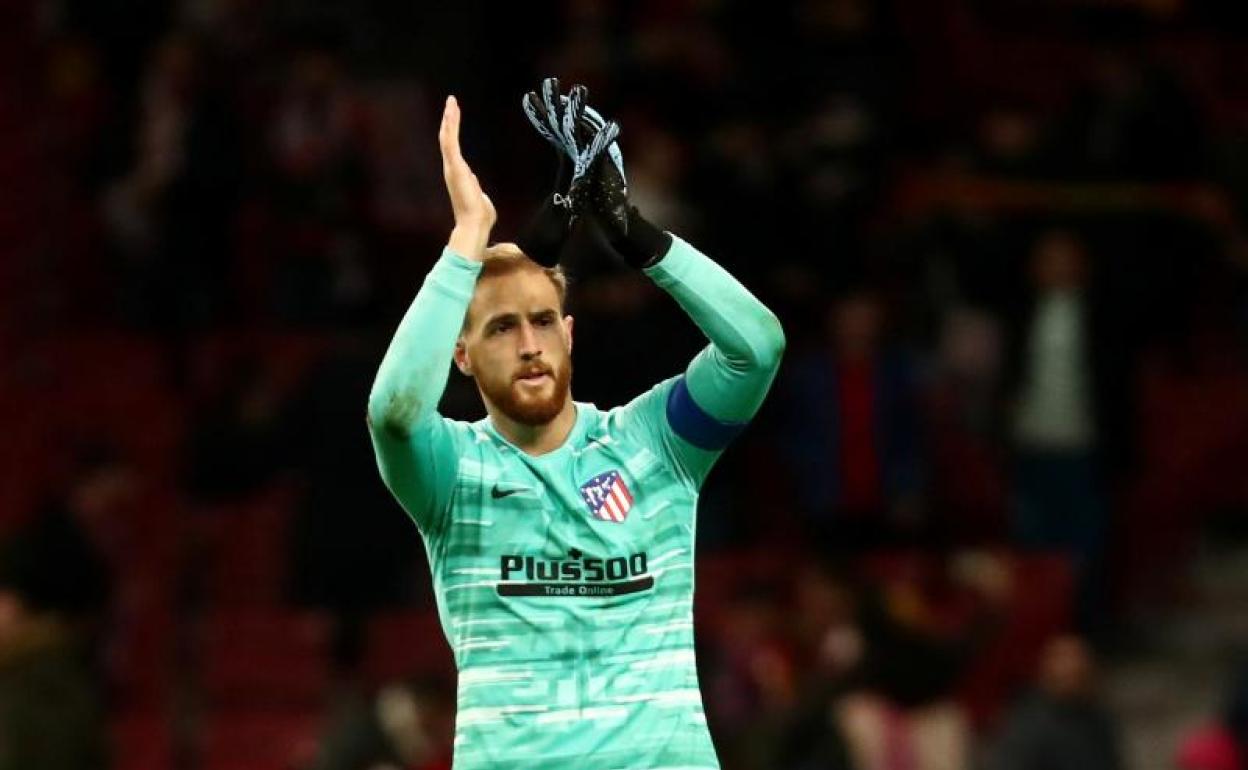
x=553 y=102
x=459 y=176
x=608 y=134
x=471 y=207
x=536 y=113
x=572 y=113
x=448 y=133
x=605 y=137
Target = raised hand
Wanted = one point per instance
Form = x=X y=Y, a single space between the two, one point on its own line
x=577 y=131
x=473 y=209
x=597 y=185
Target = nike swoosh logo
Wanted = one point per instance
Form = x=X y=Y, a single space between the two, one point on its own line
x=498 y=494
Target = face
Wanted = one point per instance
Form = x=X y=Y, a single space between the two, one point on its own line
x=1066 y=668
x=1058 y=261
x=11 y=614
x=855 y=324
x=518 y=347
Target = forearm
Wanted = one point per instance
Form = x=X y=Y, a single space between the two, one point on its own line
x=414 y=370
x=731 y=376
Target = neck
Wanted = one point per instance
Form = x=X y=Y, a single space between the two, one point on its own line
x=536 y=439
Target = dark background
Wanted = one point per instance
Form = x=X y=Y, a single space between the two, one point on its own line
x=216 y=211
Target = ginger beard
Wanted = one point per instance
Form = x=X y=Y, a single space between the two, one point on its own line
x=517 y=343
x=530 y=402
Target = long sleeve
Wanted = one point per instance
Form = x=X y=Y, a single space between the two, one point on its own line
x=414 y=446
x=692 y=418
x=730 y=377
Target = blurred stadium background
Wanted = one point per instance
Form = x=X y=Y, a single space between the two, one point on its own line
x=993 y=516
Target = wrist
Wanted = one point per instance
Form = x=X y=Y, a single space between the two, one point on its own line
x=469 y=240
x=543 y=235
x=642 y=245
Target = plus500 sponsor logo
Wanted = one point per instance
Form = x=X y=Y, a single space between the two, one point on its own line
x=573 y=569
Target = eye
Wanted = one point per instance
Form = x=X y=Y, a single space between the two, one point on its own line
x=544 y=320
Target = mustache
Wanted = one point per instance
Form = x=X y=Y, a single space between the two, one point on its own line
x=532 y=370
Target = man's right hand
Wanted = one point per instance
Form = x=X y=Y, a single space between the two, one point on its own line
x=474 y=211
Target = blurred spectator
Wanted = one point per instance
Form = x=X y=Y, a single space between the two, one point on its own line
x=319 y=195
x=232 y=446
x=970 y=352
x=964 y=417
x=1055 y=409
x=754 y=679
x=406 y=726
x=170 y=214
x=882 y=662
x=1209 y=748
x=1063 y=404
x=922 y=631
x=50 y=715
x=1063 y=724
x=881 y=737
x=60 y=551
x=1222 y=745
x=353 y=549
x=829 y=645
x=1009 y=140
x=851 y=430
x=1235 y=715
x=1131 y=119
x=834 y=123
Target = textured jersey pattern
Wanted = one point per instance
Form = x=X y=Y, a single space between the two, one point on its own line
x=573 y=634
x=565 y=581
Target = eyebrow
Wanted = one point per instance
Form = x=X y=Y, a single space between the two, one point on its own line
x=501 y=317
x=494 y=319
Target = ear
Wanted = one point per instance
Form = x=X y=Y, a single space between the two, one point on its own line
x=567 y=325
x=461 y=358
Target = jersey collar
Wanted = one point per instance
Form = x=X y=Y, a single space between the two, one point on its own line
x=576 y=437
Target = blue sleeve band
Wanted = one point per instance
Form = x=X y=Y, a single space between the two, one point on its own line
x=691 y=423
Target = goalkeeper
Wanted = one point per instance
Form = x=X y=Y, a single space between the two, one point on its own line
x=560 y=535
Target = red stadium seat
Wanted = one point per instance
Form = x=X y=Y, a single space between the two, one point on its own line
x=140 y=653
x=142 y=741
x=1041 y=608
x=110 y=384
x=721 y=577
x=286 y=356
x=247 y=544
x=27 y=457
x=260 y=740
x=402 y=644
x=258 y=657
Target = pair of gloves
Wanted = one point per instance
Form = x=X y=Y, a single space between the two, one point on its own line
x=590 y=182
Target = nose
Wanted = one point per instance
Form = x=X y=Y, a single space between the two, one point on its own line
x=529 y=347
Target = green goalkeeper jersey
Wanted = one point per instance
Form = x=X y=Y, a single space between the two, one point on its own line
x=564 y=581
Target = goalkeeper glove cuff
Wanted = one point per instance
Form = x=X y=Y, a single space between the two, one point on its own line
x=642 y=244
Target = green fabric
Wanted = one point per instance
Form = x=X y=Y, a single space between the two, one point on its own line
x=414 y=446
x=731 y=376
x=573 y=635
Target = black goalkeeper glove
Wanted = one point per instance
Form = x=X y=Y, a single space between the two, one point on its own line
x=543 y=236
x=596 y=185
x=638 y=242
x=604 y=194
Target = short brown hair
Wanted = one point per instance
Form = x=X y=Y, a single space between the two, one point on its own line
x=502 y=259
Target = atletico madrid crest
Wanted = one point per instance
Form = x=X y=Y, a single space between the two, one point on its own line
x=607 y=496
